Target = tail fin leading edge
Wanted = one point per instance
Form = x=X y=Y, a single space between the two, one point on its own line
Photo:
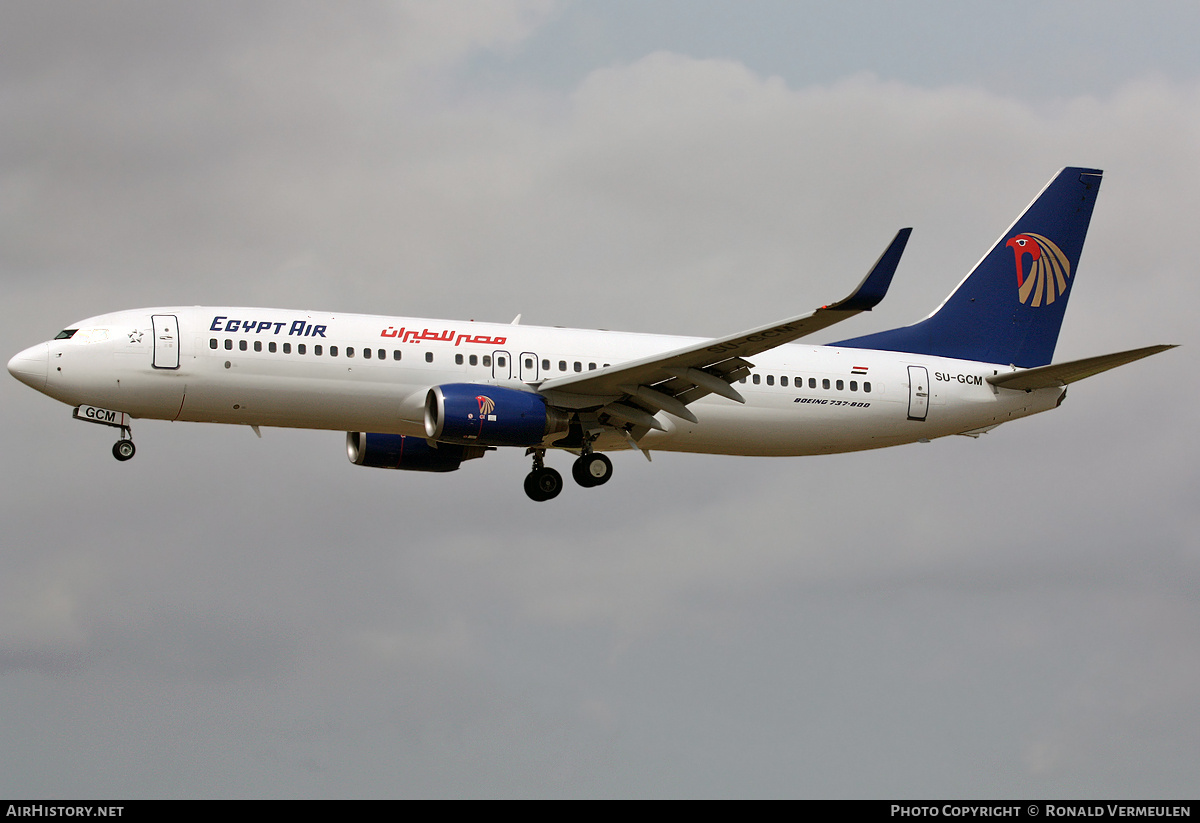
x=1009 y=309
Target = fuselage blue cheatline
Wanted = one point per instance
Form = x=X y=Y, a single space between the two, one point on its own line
x=425 y=395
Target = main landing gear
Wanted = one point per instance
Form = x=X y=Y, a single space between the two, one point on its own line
x=591 y=470
x=544 y=483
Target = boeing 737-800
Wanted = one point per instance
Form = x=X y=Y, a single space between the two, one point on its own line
x=426 y=395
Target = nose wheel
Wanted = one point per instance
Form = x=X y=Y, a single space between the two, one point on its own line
x=123 y=450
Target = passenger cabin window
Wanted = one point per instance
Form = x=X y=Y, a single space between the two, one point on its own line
x=301 y=348
x=317 y=351
x=770 y=380
x=458 y=359
x=258 y=346
x=383 y=355
x=287 y=348
x=428 y=357
x=757 y=379
x=366 y=354
x=349 y=351
x=271 y=347
x=473 y=360
x=332 y=350
x=228 y=344
x=487 y=361
x=395 y=354
x=212 y=342
x=242 y=345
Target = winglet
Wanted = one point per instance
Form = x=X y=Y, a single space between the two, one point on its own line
x=871 y=290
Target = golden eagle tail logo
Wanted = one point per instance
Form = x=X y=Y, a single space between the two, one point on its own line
x=1049 y=269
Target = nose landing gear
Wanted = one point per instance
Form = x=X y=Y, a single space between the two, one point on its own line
x=123 y=449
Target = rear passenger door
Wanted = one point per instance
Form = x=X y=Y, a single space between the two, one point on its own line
x=918 y=392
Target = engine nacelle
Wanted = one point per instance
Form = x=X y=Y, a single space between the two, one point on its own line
x=396 y=451
x=476 y=413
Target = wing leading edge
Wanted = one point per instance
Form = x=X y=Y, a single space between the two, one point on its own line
x=634 y=391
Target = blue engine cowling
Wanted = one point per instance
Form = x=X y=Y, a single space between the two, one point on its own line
x=396 y=451
x=476 y=413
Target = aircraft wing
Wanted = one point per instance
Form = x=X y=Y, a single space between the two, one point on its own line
x=635 y=390
x=1060 y=374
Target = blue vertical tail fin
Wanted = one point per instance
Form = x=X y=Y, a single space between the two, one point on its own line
x=1010 y=307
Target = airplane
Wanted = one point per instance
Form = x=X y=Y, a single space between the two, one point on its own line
x=427 y=395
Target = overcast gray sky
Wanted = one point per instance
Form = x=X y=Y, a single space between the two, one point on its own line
x=224 y=616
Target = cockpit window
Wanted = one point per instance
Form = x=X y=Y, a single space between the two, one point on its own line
x=91 y=336
x=65 y=334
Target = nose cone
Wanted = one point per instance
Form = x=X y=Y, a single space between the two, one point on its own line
x=31 y=365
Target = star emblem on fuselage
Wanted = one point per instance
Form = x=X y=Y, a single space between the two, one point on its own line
x=135 y=336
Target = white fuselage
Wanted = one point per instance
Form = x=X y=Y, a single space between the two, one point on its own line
x=273 y=367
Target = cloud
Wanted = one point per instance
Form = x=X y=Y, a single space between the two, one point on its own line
x=697 y=611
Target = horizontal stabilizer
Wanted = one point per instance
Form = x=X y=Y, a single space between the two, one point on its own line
x=1060 y=374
